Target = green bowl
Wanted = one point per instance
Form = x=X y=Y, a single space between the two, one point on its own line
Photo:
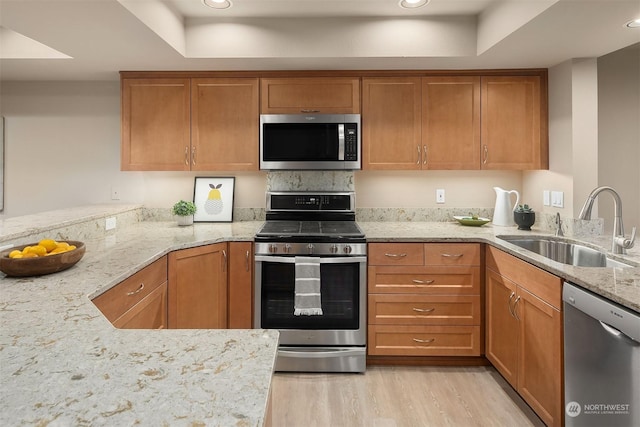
x=473 y=222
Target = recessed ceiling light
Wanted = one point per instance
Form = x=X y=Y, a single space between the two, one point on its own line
x=217 y=4
x=633 y=24
x=413 y=4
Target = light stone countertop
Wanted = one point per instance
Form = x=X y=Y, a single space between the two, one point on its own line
x=621 y=285
x=62 y=363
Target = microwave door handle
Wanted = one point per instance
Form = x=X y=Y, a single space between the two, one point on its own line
x=341 y=142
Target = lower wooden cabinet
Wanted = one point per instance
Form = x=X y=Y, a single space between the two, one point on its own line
x=240 y=285
x=424 y=299
x=198 y=287
x=524 y=331
x=139 y=302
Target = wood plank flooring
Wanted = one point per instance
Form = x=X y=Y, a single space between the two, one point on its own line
x=399 y=396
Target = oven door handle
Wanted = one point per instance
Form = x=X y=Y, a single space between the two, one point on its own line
x=321 y=260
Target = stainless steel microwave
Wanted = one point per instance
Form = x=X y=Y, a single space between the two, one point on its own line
x=310 y=141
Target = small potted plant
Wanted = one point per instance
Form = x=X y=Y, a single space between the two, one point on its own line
x=184 y=212
x=524 y=216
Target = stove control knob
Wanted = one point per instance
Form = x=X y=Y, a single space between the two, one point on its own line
x=333 y=249
x=310 y=247
x=287 y=248
x=347 y=249
x=273 y=248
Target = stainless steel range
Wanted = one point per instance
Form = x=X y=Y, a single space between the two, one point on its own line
x=310 y=281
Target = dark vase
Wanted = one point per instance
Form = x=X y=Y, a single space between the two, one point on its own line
x=524 y=220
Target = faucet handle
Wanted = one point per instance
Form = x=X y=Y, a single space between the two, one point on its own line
x=625 y=243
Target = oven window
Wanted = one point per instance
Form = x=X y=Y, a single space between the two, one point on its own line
x=339 y=291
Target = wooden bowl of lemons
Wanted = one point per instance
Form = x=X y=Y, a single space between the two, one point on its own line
x=44 y=257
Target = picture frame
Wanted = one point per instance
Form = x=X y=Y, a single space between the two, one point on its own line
x=213 y=197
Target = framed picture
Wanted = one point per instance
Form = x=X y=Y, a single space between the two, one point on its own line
x=213 y=197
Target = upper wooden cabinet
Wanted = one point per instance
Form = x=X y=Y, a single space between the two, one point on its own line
x=454 y=122
x=156 y=115
x=514 y=123
x=451 y=122
x=391 y=123
x=190 y=124
x=319 y=95
x=224 y=124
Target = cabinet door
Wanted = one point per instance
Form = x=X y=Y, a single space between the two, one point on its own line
x=150 y=313
x=320 y=95
x=224 y=124
x=198 y=288
x=501 y=326
x=391 y=123
x=540 y=371
x=451 y=122
x=240 y=285
x=155 y=124
x=512 y=135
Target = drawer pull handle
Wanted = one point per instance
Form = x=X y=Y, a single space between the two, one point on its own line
x=513 y=294
x=452 y=255
x=137 y=291
x=395 y=255
x=423 y=282
x=423 y=310
x=429 y=341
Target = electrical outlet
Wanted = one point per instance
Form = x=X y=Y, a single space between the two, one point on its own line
x=115 y=193
x=110 y=223
x=546 y=198
x=440 y=195
x=557 y=199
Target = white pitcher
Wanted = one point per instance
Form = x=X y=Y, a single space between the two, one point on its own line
x=503 y=212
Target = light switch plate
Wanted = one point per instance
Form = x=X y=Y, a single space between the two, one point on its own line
x=557 y=199
x=440 y=195
x=546 y=198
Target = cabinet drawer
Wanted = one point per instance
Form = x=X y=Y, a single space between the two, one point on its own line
x=452 y=254
x=406 y=309
x=150 y=313
x=544 y=285
x=396 y=254
x=386 y=340
x=428 y=280
x=117 y=300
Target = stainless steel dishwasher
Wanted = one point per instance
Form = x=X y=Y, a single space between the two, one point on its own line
x=601 y=361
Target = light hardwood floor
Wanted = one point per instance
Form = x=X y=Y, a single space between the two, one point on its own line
x=398 y=396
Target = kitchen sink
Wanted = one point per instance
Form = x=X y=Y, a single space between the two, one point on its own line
x=564 y=251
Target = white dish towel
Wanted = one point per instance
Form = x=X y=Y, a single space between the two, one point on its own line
x=307 y=299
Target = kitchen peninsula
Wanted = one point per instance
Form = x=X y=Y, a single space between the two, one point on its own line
x=63 y=362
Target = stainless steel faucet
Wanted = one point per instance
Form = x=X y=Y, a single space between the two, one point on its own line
x=620 y=243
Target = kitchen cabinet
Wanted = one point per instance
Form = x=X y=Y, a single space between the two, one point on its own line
x=140 y=301
x=514 y=123
x=181 y=124
x=451 y=122
x=198 y=287
x=240 y=285
x=524 y=331
x=391 y=123
x=318 y=95
x=424 y=299
x=155 y=124
x=224 y=124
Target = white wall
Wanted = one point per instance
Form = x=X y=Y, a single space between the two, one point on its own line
x=619 y=133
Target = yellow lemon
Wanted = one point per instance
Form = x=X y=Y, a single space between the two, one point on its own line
x=71 y=247
x=57 y=251
x=49 y=244
x=62 y=245
x=29 y=255
x=38 y=250
x=15 y=254
x=25 y=250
